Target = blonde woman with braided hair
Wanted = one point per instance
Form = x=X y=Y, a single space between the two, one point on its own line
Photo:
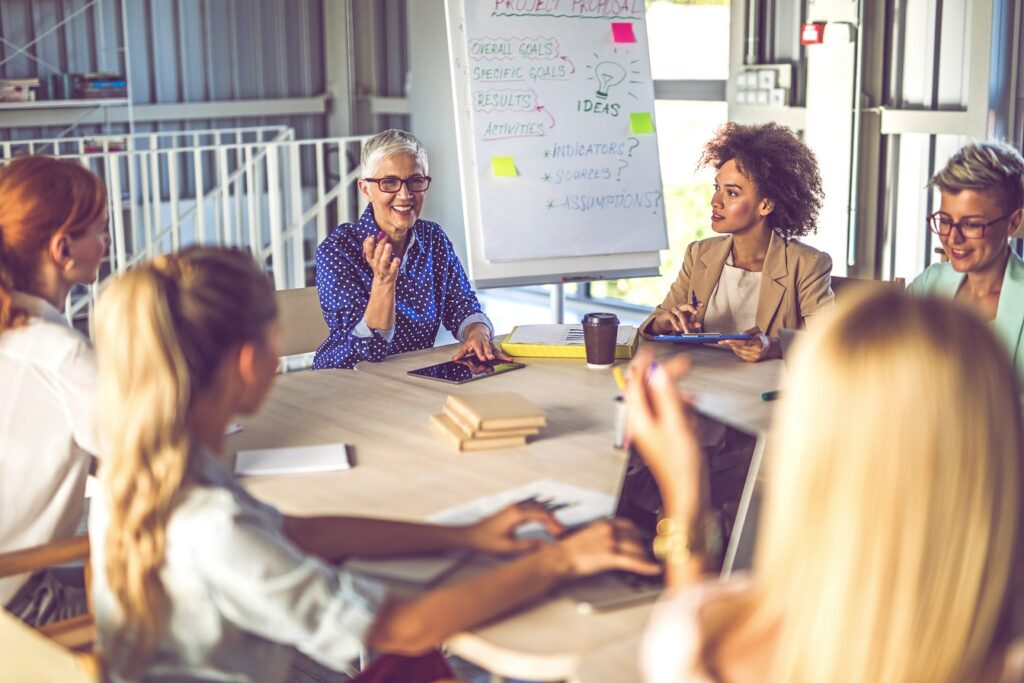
x=890 y=545
x=196 y=580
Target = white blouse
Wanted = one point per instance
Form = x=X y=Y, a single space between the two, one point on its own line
x=48 y=374
x=242 y=596
x=733 y=304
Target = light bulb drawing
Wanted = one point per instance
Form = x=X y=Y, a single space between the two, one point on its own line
x=609 y=74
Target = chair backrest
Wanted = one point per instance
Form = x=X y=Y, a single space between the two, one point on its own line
x=302 y=323
x=845 y=286
x=27 y=655
x=59 y=651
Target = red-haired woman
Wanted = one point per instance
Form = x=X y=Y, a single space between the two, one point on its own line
x=53 y=234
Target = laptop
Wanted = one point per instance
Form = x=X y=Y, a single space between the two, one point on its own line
x=733 y=457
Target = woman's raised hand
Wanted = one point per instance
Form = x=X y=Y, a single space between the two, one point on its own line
x=379 y=255
x=662 y=424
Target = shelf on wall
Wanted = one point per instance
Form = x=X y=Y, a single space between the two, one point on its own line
x=64 y=104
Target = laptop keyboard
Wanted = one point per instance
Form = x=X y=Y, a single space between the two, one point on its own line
x=638 y=581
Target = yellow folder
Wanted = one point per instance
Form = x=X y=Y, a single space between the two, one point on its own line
x=562 y=341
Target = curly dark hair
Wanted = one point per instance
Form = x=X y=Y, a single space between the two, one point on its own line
x=781 y=166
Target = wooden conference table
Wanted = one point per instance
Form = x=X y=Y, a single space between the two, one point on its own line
x=404 y=471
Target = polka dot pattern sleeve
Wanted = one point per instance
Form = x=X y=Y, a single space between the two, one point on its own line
x=431 y=289
x=343 y=279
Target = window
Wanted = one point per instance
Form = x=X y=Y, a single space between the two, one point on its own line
x=689 y=44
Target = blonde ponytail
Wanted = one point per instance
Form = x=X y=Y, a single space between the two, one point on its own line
x=162 y=330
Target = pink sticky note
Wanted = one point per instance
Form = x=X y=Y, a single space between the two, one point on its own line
x=622 y=32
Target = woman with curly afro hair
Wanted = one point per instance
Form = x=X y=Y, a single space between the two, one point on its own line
x=754 y=276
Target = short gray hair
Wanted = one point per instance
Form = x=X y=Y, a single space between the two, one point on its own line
x=389 y=143
x=985 y=166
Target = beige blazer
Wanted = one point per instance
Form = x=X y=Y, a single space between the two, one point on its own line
x=796 y=282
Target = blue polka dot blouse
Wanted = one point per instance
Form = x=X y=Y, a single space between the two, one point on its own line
x=432 y=289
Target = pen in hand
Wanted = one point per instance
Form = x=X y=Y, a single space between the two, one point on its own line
x=692 y=327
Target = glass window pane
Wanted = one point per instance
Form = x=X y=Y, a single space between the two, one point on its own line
x=688 y=39
x=683 y=128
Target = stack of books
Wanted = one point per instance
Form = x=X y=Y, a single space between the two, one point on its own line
x=18 y=89
x=94 y=85
x=478 y=422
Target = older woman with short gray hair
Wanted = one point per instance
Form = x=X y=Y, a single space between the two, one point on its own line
x=982 y=191
x=388 y=282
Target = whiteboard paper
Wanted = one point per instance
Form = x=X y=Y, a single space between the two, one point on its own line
x=556 y=119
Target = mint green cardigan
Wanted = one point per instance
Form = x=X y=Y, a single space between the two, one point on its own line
x=940 y=279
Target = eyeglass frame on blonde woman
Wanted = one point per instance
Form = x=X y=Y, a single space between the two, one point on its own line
x=933 y=224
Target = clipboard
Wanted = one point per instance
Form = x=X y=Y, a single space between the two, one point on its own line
x=700 y=337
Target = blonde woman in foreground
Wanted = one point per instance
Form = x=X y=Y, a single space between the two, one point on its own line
x=890 y=546
x=196 y=580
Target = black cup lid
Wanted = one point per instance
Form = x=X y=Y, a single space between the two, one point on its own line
x=600 y=319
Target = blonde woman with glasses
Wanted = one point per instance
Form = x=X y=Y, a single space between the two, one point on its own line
x=982 y=190
x=196 y=580
x=891 y=539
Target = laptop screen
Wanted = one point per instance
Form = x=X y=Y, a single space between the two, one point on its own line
x=732 y=457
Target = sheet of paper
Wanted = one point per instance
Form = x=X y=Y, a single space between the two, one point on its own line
x=293 y=460
x=561 y=335
x=580 y=505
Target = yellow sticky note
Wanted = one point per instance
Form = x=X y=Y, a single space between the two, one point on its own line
x=640 y=122
x=503 y=167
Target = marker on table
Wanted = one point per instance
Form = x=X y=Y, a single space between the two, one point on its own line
x=770 y=395
x=620 y=380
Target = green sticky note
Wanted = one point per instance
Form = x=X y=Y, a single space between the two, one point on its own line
x=640 y=122
x=503 y=167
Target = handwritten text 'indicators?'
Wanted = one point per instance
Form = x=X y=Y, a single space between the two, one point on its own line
x=569 y=8
x=590 y=149
x=507 y=73
x=505 y=100
x=513 y=47
x=584 y=203
x=504 y=167
x=641 y=123
x=622 y=32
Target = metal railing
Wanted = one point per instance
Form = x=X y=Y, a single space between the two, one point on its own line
x=112 y=142
x=277 y=197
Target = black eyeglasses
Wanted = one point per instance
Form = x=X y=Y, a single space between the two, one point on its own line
x=391 y=184
x=970 y=228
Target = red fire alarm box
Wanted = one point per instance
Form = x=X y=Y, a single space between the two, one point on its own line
x=812 y=33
